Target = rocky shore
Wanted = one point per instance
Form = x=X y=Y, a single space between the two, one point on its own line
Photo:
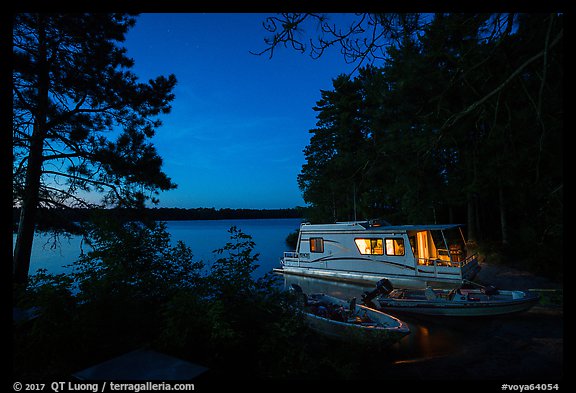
x=509 y=278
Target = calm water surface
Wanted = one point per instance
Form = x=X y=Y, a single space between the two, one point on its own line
x=204 y=236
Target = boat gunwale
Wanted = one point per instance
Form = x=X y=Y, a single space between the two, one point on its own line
x=456 y=305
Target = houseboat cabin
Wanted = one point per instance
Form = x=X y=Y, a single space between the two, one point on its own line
x=367 y=251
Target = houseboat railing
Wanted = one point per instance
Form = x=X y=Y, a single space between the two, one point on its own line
x=443 y=262
x=469 y=259
x=291 y=254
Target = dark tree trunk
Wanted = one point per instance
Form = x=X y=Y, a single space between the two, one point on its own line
x=471 y=220
x=26 y=226
x=503 y=220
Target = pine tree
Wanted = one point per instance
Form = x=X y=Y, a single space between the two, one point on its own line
x=81 y=120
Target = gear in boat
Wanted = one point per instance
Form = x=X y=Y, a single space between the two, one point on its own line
x=385 y=288
x=314 y=305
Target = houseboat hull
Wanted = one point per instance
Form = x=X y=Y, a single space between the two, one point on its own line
x=399 y=281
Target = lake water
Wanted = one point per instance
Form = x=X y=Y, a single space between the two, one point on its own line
x=202 y=236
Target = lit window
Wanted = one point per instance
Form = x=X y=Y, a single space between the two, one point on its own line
x=369 y=246
x=395 y=246
x=316 y=244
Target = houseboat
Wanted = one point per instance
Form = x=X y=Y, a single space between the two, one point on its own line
x=410 y=256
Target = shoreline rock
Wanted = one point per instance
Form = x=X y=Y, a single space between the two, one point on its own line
x=505 y=277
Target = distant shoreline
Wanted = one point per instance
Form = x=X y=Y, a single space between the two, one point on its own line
x=49 y=217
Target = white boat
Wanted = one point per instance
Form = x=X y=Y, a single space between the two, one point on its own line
x=367 y=251
x=350 y=322
x=463 y=302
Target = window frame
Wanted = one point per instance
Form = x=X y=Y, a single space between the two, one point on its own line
x=316 y=241
x=395 y=248
x=372 y=248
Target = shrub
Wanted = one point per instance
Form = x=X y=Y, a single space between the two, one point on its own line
x=136 y=289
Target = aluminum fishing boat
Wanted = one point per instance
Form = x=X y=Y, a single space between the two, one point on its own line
x=350 y=322
x=464 y=302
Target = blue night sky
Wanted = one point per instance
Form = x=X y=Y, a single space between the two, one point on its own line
x=239 y=122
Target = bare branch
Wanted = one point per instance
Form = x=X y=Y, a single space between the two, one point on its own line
x=61 y=156
x=457 y=116
x=66 y=196
x=365 y=38
x=88 y=180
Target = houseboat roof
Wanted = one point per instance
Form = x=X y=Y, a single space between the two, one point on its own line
x=371 y=226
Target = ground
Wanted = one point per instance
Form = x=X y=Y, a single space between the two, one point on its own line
x=526 y=346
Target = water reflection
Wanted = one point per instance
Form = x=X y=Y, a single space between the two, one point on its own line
x=428 y=338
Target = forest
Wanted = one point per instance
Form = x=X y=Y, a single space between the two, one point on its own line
x=461 y=122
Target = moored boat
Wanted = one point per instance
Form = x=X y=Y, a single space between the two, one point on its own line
x=367 y=251
x=466 y=302
x=347 y=321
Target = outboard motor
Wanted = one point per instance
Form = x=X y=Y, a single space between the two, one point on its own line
x=352 y=305
x=301 y=295
x=383 y=287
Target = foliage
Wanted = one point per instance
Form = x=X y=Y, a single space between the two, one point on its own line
x=137 y=289
x=231 y=274
x=461 y=122
x=292 y=239
x=108 y=304
x=134 y=259
x=92 y=115
x=82 y=122
x=239 y=320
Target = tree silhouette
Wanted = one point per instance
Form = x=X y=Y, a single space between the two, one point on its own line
x=453 y=117
x=82 y=121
